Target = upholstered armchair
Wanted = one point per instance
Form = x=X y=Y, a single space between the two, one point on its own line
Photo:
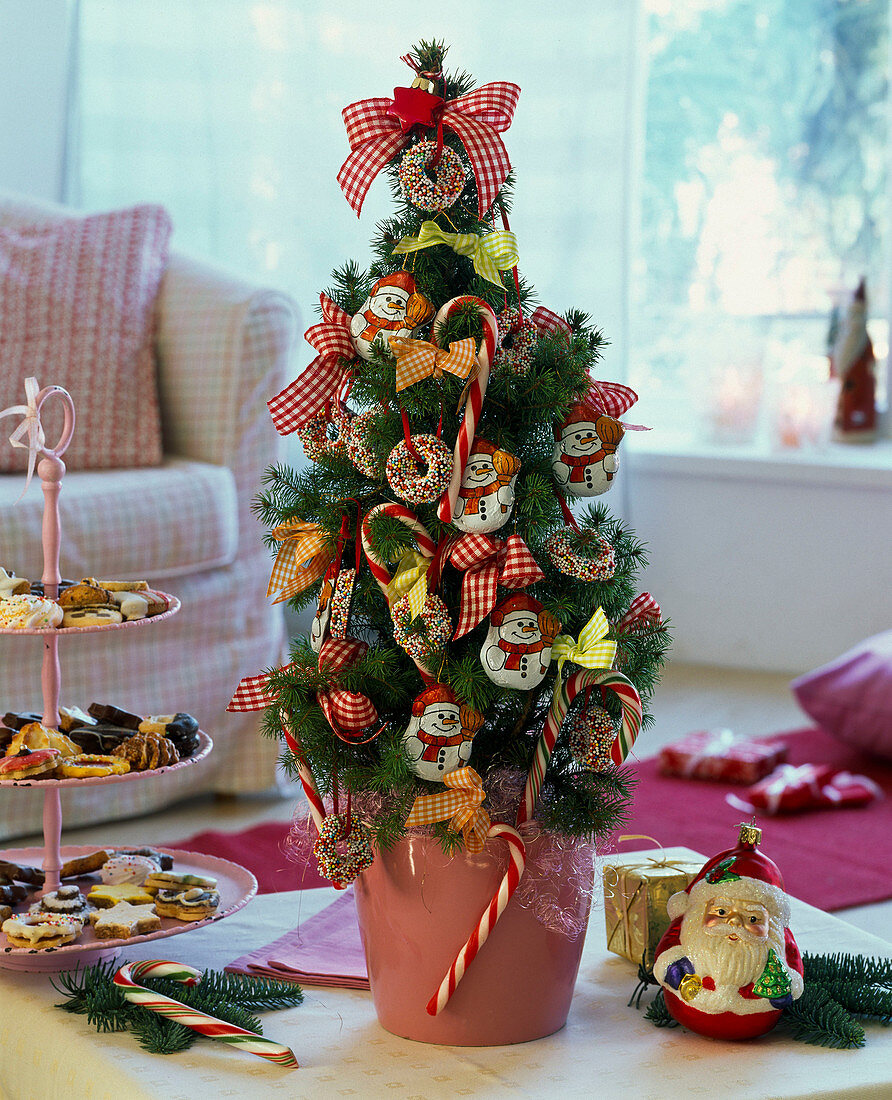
x=185 y=526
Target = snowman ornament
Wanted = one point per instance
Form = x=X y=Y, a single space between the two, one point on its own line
x=516 y=652
x=584 y=460
x=440 y=732
x=393 y=308
x=486 y=497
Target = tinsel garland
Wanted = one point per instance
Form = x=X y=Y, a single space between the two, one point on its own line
x=90 y=992
x=838 y=990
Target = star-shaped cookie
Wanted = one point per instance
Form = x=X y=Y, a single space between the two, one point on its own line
x=124 y=920
x=105 y=896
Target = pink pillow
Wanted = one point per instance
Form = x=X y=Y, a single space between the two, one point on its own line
x=851 y=697
x=77 y=304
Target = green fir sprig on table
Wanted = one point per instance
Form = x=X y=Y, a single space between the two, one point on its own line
x=840 y=990
x=91 y=992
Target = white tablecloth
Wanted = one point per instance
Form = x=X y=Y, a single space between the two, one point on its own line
x=606 y=1049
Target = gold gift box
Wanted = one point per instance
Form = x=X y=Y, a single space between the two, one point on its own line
x=635 y=897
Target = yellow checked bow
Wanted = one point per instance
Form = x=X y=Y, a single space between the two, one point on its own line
x=491 y=253
x=592 y=650
x=303 y=557
x=462 y=802
x=410 y=577
x=417 y=360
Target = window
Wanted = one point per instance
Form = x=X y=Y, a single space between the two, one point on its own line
x=763 y=201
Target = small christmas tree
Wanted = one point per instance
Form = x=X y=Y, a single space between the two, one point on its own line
x=447 y=418
x=774 y=980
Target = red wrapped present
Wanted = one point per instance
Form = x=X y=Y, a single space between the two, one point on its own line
x=792 y=789
x=723 y=755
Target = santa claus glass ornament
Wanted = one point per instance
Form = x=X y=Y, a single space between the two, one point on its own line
x=440 y=731
x=486 y=497
x=393 y=308
x=517 y=650
x=729 y=964
x=584 y=460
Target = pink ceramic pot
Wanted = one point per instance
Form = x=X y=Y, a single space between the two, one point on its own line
x=417 y=907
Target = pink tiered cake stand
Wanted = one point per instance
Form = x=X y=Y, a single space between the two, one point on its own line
x=235 y=884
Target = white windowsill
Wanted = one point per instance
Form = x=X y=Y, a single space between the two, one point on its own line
x=857 y=465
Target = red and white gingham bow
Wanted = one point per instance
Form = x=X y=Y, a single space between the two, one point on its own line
x=311 y=391
x=252 y=694
x=549 y=323
x=488 y=563
x=477 y=118
x=644 y=612
x=611 y=398
x=348 y=712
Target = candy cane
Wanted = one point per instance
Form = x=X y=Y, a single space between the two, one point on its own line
x=476 y=393
x=517 y=853
x=377 y=565
x=631 y=706
x=190 y=1017
x=314 y=798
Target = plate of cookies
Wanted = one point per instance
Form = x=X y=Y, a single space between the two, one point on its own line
x=79 y=606
x=103 y=743
x=108 y=899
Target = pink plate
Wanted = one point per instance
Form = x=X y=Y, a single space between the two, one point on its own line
x=235 y=884
x=172 y=610
x=205 y=744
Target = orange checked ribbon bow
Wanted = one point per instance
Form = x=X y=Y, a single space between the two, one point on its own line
x=303 y=557
x=417 y=360
x=462 y=803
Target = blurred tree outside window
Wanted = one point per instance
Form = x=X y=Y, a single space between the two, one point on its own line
x=763 y=200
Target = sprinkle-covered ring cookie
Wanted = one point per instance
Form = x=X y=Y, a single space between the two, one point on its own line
x=412 y=482
x=343 y=869
x=567 y=553
x=429 y=194
x=436 y=632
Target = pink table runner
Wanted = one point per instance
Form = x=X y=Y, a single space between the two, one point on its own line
x=324 y=951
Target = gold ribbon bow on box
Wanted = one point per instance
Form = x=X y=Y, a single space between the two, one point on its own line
x=410 y=579
x=303 y=557
x=418 y=359
x=591 y=650
x=462 y=802
x=491 y=253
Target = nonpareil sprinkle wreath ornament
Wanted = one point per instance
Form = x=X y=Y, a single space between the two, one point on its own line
x=434 y=722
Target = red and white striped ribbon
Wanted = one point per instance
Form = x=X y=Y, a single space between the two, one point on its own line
x=631 y=724
x=174 y=1010
x=476 y=393
x=488 y=919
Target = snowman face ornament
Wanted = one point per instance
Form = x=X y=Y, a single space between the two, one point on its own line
x=584 y=460
x=486 y=497
x=440 y=732
x=516 y=652
x=393 y=308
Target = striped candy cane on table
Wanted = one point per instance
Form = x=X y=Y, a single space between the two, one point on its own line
x=476 y=393
x=564 y=695
x=249 y=1041
x=467 y=954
